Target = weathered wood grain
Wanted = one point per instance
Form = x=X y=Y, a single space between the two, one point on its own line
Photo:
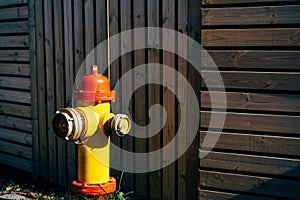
x=155 y=184
x=15 y=109
x=257 y=122
x=251 y=37
x=14 y=161
x=14 y=27
x=251 y=163
x=15 y=96
x=16 y=136
x=12 y=2
x=216 y=2
x=14 y=41
x=255 y=101
x=16 y=149
x=14 y=55
x=288 y=14
x=251 y=184
x=14 y=69
x=16 y=123
x=215 y=195
x=287 y=81
x=243 y=59
x=278 y=145
x=14 y=13
x=15 y=82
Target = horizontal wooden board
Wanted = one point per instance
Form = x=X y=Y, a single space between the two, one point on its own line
x=16 y=136
x=14 y=55
x=12 y=2
x=255 y=143
x=14 y=27
x=289 y=14
x=215 y=195
x=255 y=101
x=256 y=122
x=15 y=82
x=251 y=184
x=14 y=13
x=243 y=59
x=216 y=2
x=14 y=122
x=17 y=162
x=14 y=41
x=286 y=81
x=251 y=163
x=251 y=37
x=15 y=96
x=15 y=69
x=15 y=109
x=16 y=149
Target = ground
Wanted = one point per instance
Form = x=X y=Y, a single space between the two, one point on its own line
x=17 y=184
x=14 y=181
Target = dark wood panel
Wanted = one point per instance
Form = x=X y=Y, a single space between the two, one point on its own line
x=251 y=37
x=14 y=55
x=251 y=15
x=255 y=101
x=255 y=143
x=16 y=136
x=16 y=161
x=214 y=195
x=240 y=59
x=155 y=184
x=14 y=41
x=14 y=122
x=12 y=2
x=15 y=82
x=254 y=80
x=14 y=13
x=15 y=69
x=251 y=184
x=16 y=149
x=14 y=27
x=216 y=2
x=15 y=109
x=256 y=122
x=250 y=163
x=15 y=96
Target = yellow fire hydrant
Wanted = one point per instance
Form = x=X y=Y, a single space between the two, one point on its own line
x=90 y=125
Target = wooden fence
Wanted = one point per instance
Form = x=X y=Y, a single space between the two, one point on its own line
x=15 y=86
x=256 y=47
x=65 y=32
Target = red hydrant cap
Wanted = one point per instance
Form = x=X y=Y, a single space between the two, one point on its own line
x=94 y=87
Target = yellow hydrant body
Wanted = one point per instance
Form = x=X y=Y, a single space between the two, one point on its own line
x=90 y=125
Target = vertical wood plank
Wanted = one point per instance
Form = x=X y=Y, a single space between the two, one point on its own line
x=114 y=71
x=69 y=79
x=181 y=90
x=140 y=100
x=88 y=26
x=50 y=86
x=59 y=85
x=34 y=89
x=169 y=130
x=43 y=146
x=155 y=178
x=192 y=173
x=126 y=64
x=78 y=35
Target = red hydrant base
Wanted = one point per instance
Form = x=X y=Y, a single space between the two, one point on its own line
x=94 y=190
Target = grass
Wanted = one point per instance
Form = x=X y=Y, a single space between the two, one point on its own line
x=13 y=181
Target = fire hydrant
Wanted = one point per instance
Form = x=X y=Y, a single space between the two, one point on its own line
x=82 y=124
